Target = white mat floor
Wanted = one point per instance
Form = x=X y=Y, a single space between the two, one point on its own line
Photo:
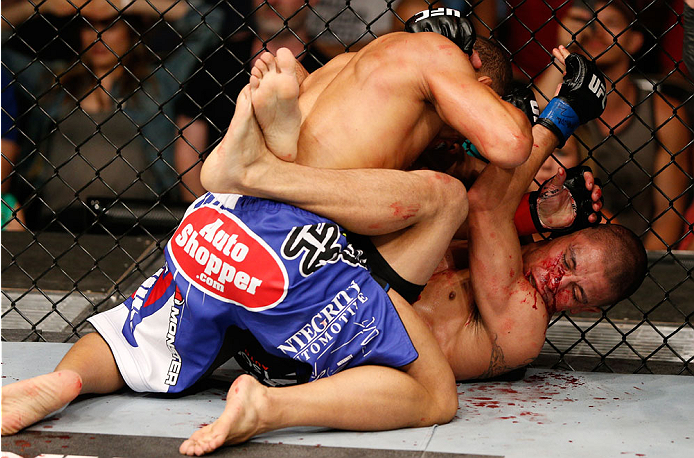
x=547 y=414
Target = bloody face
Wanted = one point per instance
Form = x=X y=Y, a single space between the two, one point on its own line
x=568 y=272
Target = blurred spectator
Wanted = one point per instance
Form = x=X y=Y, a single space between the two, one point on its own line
x=103 y=125
x=12 y=214
x=338 y=26
x=640 y=144
x=688 y=242
x=208 y=105
x=529 y=33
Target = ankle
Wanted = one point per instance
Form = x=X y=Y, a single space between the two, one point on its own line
x=267 y=414
x=271 y=415
x=259 y=178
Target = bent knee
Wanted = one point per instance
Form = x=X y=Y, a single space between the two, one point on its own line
x=442 y=410
x=448 y=408
x=448 y=195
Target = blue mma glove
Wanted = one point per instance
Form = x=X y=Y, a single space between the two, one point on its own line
x=447 y=22
x=581 y=98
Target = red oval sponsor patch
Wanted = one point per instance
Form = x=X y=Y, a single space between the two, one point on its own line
x=218 y=253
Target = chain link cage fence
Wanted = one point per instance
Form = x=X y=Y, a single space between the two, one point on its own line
x=109 y=108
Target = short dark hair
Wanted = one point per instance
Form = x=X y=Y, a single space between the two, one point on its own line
x=495 y=64
x=626 y=263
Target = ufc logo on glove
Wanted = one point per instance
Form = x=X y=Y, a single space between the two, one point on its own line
x=437 y=12
x=598 y=88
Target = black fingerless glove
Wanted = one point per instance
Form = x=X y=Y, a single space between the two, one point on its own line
x=582 y=201
x=581 y=98
x=527 y=218
x=447 y=22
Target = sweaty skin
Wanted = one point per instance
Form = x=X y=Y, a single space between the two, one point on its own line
x=386 y=104
x=446 y=305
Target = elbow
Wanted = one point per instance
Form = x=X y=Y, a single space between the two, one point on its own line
x=519 y=141
x=518 y=146
x=511 y=149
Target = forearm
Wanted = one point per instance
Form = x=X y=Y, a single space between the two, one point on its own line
x=507 y=140
x=499 y=130
x=501 y=190
x=495 y=254
x=547 y=85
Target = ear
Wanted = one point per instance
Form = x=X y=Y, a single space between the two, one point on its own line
x=475 y=60
x=485 y=80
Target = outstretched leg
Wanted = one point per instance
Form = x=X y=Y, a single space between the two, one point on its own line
x=28 y=401
x=275 y=95
x=88 y=367
x=247 y=405
x=365 y=398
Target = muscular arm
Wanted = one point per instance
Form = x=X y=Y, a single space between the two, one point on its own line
x=512 y=313
x=500 y=131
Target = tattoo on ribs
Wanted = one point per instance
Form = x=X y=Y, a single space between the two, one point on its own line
x=497 y=363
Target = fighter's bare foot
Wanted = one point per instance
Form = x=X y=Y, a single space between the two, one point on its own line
x=240 y=156
x=28 y=401
x=242 y=419
x=275 y=96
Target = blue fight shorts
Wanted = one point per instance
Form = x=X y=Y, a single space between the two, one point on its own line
x=284 y=275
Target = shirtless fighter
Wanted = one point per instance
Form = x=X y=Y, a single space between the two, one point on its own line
x=82 y=372
x=489 y=308
x=247 y=399
x=238 y=265
x=391 y=398
x=381 y=107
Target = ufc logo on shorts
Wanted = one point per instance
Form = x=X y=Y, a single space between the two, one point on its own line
x=318 y=243
x=437 y=12
x=597 y=88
